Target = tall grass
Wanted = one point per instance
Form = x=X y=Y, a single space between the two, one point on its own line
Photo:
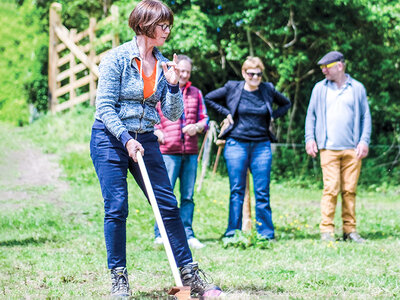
x=55 y=249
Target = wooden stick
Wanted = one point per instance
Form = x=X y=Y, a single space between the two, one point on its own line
x=206 y=159
x=72 y=64
x=159 y=220
x=217 y=158
x=115 y=20
x=202 y=147
x=92 y=54
x=55 y=20
x=246 y=224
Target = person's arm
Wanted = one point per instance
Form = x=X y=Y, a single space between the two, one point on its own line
x=215 y=98
x=311 y=145
x=202 y=119
x=107 y=96
x=160 y=136
x=171 y=100
x=158 y=127
x=282 y=102
x=365 y=127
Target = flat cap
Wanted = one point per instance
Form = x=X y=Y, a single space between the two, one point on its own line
x=331 y=57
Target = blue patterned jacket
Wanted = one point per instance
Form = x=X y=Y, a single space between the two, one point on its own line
x=120 y=104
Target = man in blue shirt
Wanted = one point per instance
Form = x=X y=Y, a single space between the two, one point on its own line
x=338 y=123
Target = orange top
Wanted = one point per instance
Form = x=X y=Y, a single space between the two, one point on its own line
x=148 y=82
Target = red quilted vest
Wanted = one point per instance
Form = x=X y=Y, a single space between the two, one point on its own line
x=175 y=141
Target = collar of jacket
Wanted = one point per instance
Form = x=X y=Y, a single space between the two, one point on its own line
x=236 y=97
x=134 y=53
x=187 y=85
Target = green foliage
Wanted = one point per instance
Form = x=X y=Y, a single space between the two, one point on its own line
x=290 y=37
x=244 y=240
x=21 y=69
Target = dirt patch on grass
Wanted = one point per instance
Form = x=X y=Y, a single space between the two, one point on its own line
x=28 y=175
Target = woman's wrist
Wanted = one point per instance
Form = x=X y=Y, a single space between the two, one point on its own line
x=173 y=88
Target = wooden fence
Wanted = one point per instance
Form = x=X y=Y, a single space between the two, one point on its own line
x=73 y=61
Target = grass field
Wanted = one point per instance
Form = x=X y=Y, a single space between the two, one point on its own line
x=51 y=242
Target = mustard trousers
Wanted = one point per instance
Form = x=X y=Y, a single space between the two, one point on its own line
x=341 y=170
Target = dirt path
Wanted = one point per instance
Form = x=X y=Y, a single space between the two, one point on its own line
x=25 y=171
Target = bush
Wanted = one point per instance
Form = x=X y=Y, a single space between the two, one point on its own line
x=21 y=70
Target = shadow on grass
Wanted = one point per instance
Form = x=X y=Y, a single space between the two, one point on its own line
x=25 y=242
x=155 y=294
x=289 y=233
x=380 y=235
x=215 y=239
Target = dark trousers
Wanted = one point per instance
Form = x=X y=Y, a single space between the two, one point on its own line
x=112 y=162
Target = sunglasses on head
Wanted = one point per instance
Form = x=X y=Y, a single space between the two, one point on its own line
x=252 y=74
x=328 y=65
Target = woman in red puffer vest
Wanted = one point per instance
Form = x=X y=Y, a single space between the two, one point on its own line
x=179 y=146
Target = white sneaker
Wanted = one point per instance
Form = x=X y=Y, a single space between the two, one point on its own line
x=158 y=240
x=195 y=243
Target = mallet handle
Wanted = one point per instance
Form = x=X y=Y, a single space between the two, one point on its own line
x=159 y=220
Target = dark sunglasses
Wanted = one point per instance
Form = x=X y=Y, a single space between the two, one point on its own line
x=251 y=74
x=164 y=27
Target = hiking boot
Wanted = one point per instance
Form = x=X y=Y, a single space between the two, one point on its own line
x=200 y=287
x=195 y=243
x=120 y=283
x=354 y=237
x=328 y=237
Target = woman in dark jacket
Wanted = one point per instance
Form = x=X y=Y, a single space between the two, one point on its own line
x=247 y=105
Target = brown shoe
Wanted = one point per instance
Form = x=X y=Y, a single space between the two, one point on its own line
x=328 y=237
x=353 y=237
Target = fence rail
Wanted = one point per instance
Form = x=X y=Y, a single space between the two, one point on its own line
x=73 y=61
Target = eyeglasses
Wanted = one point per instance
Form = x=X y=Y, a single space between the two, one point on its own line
x=251 y=74
x=328 y=65
x=164 y=27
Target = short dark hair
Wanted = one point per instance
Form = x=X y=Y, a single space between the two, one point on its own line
x=147 y=14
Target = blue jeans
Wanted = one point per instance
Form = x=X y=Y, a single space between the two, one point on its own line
x=111 y=161
x=183 y=166
x=257 y=156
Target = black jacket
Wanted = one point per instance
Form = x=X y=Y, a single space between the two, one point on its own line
x=225 y=101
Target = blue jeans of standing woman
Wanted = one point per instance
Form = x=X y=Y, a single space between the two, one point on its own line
x=183 y=166
x=111 y=161
x=257 y=156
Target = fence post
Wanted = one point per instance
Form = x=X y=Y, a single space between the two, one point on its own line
x=92 y=54
x=54 y=20
x=72 y=64
x=115 y=20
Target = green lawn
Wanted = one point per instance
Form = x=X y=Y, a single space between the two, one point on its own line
x=53 y=247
